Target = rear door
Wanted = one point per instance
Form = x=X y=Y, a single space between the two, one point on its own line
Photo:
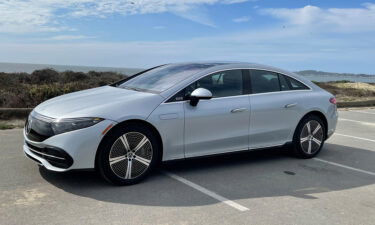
x=275 y=108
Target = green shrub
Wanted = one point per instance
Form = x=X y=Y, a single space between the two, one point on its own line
x=44 y=76
x=70 y=76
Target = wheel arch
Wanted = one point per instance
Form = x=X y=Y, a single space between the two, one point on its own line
x=321 y=116
x=134 y=121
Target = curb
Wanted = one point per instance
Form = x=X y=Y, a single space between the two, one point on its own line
x=367 y=103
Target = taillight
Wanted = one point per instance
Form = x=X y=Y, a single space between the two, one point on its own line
x=333 y=100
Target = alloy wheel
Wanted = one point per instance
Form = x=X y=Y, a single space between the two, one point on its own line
x=311 y=137
x=130 y=155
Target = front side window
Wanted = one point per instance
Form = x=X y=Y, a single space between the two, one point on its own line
x=264 y=81
x=221 y=84
x=161 y=78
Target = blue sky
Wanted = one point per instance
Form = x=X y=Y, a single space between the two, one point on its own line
x=334 y=35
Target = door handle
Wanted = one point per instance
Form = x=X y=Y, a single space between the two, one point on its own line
x=290 y=105
x=238 y=110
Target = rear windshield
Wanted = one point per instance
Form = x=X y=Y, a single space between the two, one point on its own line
x=161 y=78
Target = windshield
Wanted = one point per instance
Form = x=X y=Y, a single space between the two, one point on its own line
x=163 y=77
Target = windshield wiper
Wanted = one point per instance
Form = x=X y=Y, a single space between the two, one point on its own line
x=133 y=88
x=139 y=89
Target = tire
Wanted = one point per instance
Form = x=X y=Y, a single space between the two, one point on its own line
x=128 y=154
x=309 y=137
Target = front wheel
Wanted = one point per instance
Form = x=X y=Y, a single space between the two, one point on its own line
x=128 y=154
x=309 y=137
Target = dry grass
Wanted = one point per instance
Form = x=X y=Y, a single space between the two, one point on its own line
x=10 y=124
x=350 y=91
x=22 y=90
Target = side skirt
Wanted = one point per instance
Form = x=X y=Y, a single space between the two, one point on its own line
x=286 y=145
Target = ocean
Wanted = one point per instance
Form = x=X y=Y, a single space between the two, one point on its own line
x=314 y=76
x=29 y=68
x=352 y=78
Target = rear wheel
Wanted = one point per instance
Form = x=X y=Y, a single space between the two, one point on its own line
x=128 y=154
x=309 y=137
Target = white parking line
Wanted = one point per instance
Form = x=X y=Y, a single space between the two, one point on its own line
x=207 y=192
x=364 y=139
x=357 y=121
x=362 y=112
x=344 y=166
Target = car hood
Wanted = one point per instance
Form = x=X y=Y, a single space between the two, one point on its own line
x=106 y=102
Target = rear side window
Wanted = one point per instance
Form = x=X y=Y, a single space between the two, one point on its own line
x=284 y=86
x=295 y=85
x=264 y=81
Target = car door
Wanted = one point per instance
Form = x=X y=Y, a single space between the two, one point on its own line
x=220 y=124
x=276 y=107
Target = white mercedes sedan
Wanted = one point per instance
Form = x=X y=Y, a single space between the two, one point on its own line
x=179 y=111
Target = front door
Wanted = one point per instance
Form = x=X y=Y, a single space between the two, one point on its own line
x=220 y=124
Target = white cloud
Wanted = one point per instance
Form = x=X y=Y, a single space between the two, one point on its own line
x=19 y=16
x=241 y=19
x=69 y=37
x=195 y=14
x=337 y=19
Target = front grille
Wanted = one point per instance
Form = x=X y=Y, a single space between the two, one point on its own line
x=55 y=156
x=33 y=135
x=38 y=127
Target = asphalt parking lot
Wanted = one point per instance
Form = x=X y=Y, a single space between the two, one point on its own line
x=262 y=187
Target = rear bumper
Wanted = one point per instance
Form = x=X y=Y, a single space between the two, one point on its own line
x=332 y=120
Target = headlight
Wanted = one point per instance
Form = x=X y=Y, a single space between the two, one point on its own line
x=65 y=125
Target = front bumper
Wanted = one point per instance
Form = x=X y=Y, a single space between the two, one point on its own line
x=67 y=151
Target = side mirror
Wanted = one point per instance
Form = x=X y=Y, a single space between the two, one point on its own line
x=197 y=94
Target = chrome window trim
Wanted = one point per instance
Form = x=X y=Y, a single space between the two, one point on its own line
x=212 y=99
x=238 y=68
x=246 y=95
x=265 y=93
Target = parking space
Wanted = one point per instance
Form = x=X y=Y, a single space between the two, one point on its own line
x=260 y=187
x=358 y=113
